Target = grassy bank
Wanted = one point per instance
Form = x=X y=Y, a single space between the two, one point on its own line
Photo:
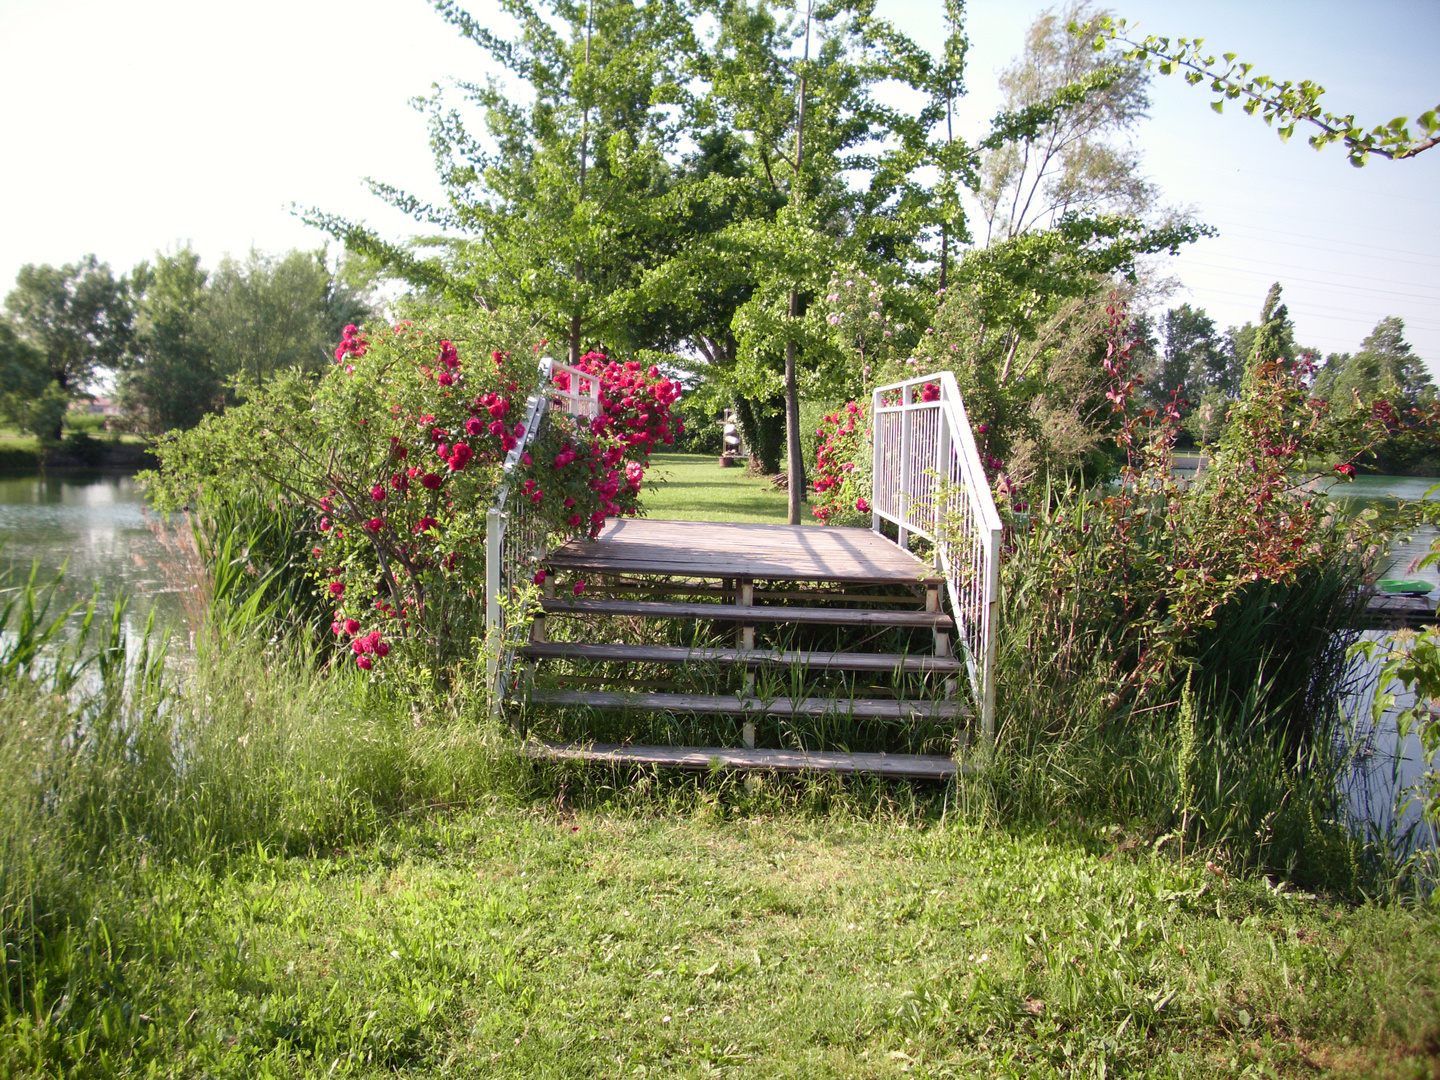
x=772 y=931
x=257 y=865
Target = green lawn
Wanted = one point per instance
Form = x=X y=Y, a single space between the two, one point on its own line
x=692 y=487
x=728 y=936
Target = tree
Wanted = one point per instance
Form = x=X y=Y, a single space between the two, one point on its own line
x=1072 y=162
x=1067 y=211
x=77 y=318
x=1191 y=360
x=1283 y=104
x=269 y=313
x=1384 y=368
x=559 y=219
x=30 y=398
x=805 y=118
x=170 y=380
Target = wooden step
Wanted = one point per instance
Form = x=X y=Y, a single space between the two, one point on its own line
x=736 y=704
x=664 y=609
x=678 y=654
x=704 y=758
x=613 y=588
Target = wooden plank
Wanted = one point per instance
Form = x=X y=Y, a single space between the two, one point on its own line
x=665 y=609
x=614 y=587
x=735 y=705
x=1383 y=611
x=679 y=654
x=705 y=549
x=704 y=758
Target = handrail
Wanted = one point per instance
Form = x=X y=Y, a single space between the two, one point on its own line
x=514 y=534
x=928 y=480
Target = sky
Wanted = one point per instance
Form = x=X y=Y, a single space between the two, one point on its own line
x=138 y=127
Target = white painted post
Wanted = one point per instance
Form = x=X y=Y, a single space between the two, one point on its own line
x=494 y=549
x=874 y=460
x=992 y=618
x=904 y=507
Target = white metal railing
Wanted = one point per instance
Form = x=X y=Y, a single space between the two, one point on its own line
x=929 y=481
x=514 y=537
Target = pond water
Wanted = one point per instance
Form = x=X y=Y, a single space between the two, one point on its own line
x=98 y=529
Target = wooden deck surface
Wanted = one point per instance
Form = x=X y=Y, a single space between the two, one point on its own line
x=680 y=655
x=917 y=766
x=709 y=549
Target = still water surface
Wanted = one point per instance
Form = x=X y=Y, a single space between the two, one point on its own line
x=98 y=531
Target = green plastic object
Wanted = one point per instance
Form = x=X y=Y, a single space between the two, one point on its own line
x=1405 y=585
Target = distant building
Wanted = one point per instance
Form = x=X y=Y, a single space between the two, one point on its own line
x=101 y=406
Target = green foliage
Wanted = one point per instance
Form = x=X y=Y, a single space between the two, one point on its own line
x=171 y=378
x=1191 y=361
x=1054 y=152
x=72 y=320
x=562 y=216
x=1224 y=601
x=1282 y=104
x=1384 y=368
x=269 y=314
x=393 y=460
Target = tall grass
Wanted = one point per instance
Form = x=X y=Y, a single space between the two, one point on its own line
x=1235 y=745
x=111 y=761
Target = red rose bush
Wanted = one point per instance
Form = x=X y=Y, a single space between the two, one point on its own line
x=399 y=452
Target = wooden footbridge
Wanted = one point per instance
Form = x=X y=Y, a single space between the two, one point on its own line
x=849 y=622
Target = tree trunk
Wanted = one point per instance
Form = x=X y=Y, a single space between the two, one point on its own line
x=796 y=458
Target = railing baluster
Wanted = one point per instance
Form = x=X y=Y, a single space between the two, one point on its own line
x=921 y=449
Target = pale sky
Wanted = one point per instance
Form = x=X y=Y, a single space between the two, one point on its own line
x=137 y=126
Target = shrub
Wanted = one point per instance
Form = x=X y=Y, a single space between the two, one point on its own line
x=397 y=454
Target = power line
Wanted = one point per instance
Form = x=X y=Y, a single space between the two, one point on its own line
x=1317 y=313
x=1312 y=281
x=1376 y=254
x=1332 y=240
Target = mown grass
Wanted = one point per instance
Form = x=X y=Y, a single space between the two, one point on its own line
x=692 y=487
x=769 y=930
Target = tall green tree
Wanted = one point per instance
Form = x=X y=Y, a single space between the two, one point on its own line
x=798 y=91
x=1078 y=160
x=551 y=205
x=29 y=397
x=1384 y=368
x=1191 y=356
x=170 y=379
x=77 y=318
x=268 y=313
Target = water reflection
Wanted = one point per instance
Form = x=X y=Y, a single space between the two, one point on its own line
x=95 y=528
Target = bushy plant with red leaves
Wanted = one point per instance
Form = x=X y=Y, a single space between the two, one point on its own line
x=399 y=453
x=1141 y=574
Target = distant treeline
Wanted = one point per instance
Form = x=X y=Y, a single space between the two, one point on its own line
x=178 y=340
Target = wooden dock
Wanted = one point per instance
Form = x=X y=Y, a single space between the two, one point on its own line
x=709 y=549
x=1384 y=611
x=705 y=574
